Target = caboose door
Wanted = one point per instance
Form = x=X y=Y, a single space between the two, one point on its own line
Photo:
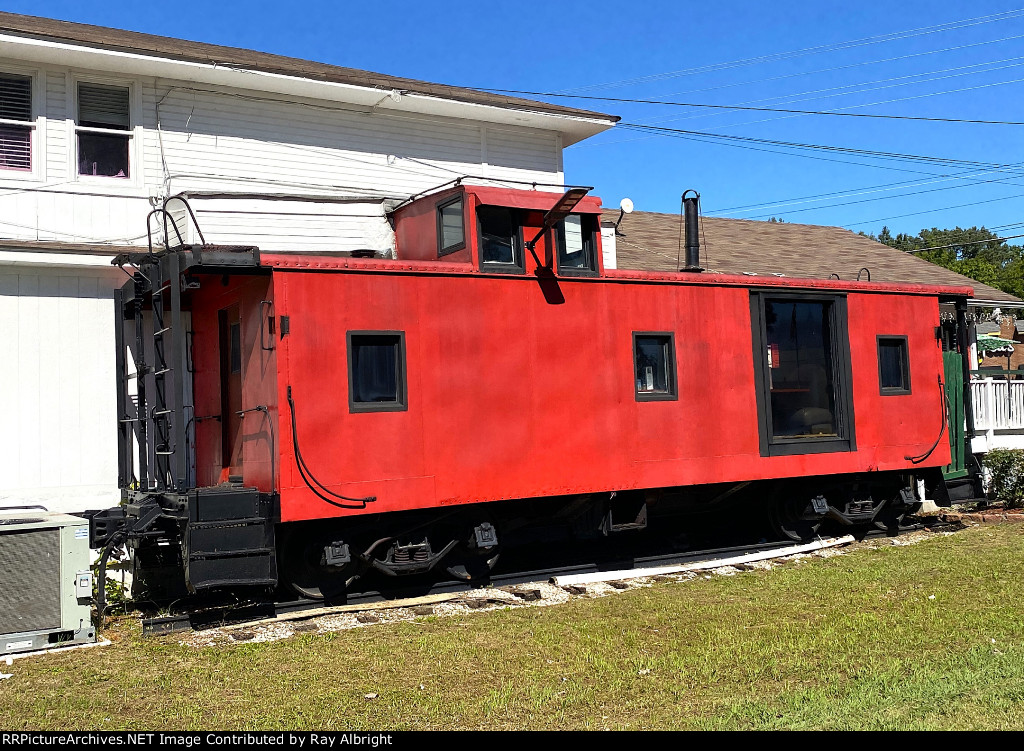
x=230 y=327
x=952 y=365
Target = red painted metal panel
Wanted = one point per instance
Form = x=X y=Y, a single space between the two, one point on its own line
x=537 y=200
x=416 y=223
x=416 y=230
x=510 y=396
x=292 y=261
x=898 y=420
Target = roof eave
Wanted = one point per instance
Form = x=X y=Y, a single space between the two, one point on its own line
x=81 y=45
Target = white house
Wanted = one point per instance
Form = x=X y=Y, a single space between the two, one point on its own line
x=98 y=125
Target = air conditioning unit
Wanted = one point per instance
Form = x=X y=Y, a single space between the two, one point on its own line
x=47 y=585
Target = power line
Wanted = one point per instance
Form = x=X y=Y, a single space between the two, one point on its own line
x=932 y=211
x=850 y=192
x=831 y=69
x=803 y=156
x=760 y=109
x=748 y=147
x=728 y=140
x=772 y=119
x=889 y=155
x=818 y=49
x=961 y=245
x=898 y=195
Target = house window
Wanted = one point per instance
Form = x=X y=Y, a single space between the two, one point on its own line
x=576 y=245
x=376 y=371
x=450 y=229
x=654 y=366
x=893 y=366
x=16 y=123
x=500 y=241
x=801 y=351
x=104 y=130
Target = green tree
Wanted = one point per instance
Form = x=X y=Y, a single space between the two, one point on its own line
x=975 y=252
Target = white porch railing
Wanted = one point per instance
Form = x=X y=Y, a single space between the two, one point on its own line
x=998 y=404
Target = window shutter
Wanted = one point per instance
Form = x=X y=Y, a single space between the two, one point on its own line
x=102 y=106
x=16 y=98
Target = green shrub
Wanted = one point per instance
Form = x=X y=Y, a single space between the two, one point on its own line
x=117 y=594
x=1006 y=483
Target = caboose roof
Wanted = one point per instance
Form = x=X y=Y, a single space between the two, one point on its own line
x=650 y=241
x=312 y=262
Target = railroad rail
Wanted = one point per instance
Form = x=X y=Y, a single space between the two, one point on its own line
x=213 y=615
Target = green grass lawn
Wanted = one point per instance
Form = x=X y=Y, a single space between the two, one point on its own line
x=898 y=637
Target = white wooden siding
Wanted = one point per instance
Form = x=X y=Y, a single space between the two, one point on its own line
x=297 y=226
x=62 y=216
x=56 y=156
x=212 y=140
x=511 y=152
x=235 y=142
x=57 y=395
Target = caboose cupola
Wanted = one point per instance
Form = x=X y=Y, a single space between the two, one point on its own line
x=503 y=231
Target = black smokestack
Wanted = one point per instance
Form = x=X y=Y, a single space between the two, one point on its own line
x=691 y=223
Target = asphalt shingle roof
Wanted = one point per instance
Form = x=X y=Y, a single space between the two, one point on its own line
x=200 y=52
x=651 y=242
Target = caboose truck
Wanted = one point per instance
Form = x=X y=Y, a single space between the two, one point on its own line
x=305 y=420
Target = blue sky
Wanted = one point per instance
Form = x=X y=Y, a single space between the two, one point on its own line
x=911 y=58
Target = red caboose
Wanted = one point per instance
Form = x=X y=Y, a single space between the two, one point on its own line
x=333 y=415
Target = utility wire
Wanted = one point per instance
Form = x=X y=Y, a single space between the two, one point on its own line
x=932 y=211
x=797 y=154
x=897 y=195
x=864 y=87
x=890 y=155
x=961 y=245
x=759 y=109
x=831 y=69
x=818 y=49
x=851 y=192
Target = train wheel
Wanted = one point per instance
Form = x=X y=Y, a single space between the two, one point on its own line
x=475 y=555
x=893 y=520
x=793 y=515
x=472 y=565
x=304 y=569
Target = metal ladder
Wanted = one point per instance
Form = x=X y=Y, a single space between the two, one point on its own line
x=158 y=423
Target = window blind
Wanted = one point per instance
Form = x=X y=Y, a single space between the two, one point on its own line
x=16 y=98
x=15 y=147
x=102 y=106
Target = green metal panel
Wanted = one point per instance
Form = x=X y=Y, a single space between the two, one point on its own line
x=954 y=377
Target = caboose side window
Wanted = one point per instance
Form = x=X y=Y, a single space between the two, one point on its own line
x=576 y=245
x=376 y=371
x=654 y=366
x=893 y=366
x=803 y=373
x=450 y=233
x=500 y=242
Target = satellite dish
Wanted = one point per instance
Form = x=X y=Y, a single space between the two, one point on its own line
x=625 y=207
